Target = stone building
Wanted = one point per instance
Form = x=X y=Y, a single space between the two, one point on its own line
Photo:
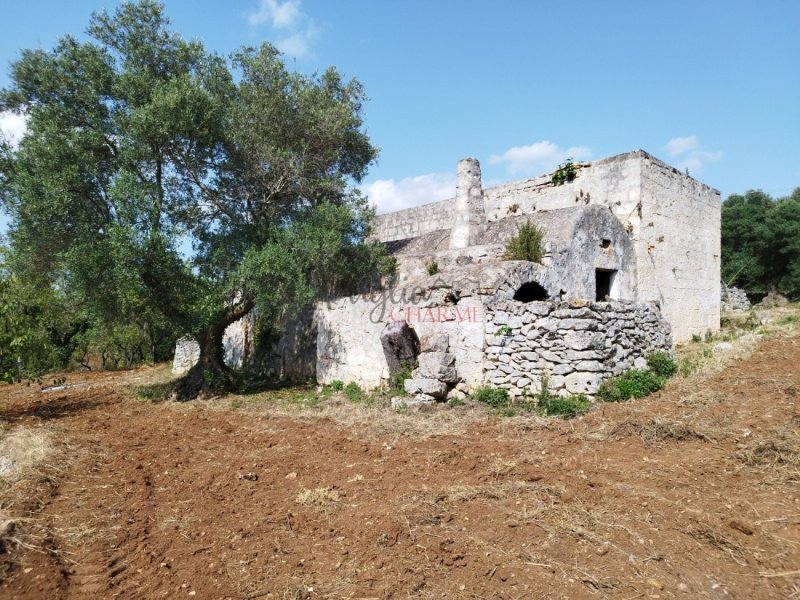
x=631 y=263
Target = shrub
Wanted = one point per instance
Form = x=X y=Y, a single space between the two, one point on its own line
x=432 y=267
x=632 y=384
x=337 y=385
x=494 y=397
x=662 y=364
x=353 y=392
x=503 y=330
x=565 y=173
x=526 y=245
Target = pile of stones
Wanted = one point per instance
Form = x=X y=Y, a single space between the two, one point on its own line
x=733 y=298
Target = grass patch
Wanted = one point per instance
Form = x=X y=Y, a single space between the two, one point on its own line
x=494 y=397
x=567 y=407
x=155 y=392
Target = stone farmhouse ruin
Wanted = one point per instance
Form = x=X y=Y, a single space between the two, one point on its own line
x=631 y=265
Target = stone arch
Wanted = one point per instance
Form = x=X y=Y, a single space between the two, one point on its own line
x=530 y=292
x=527 y=278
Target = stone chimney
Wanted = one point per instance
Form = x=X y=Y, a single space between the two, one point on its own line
x=470 y=217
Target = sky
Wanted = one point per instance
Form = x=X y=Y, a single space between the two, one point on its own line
x=708 y=86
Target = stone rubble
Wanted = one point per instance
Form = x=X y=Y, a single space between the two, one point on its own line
x=733 y=298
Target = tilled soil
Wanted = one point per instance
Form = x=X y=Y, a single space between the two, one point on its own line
x=692 y=492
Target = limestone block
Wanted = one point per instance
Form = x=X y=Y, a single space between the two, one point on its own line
x=431 y=387
x=435 y=342
x=436 y=365
x=564 y=369
x=584 y=340
x=187 y=353
x=400 y=345
x=582 y=383
x=410 y=402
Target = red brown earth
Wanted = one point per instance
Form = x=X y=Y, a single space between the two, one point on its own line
x=692 y=492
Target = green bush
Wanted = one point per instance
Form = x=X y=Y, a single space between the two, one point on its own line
x=353 y=392
x=494 y=397
x=632 y=384
x=432 y=267
x=565 y=173
x=662 y=364
x=526 y=245
x=565 y=406
x=397 y=380
x=337 y=385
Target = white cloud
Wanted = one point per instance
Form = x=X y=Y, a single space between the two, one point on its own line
x=281 y=15
x=690 y=153
x=681 y=145
x=297 y=30
x=538 y=157
x=13 y=127
x=389 y=195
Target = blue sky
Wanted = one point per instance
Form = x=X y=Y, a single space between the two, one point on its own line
x=521 y=85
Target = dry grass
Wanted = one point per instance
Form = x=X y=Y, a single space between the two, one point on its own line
x=24 y=450
x=321 y=497
x=778 y=457
x=656 y=430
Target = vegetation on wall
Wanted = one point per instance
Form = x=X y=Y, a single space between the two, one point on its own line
x=565 y=173
x=527 y=244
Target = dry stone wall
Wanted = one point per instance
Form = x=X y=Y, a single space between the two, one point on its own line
x=733 y=298
x=576 y=345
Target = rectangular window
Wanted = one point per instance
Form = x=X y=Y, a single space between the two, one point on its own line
x=603 y=284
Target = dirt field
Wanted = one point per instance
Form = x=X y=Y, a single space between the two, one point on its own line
x=692 y=492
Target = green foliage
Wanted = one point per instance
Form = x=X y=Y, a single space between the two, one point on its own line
x=696 y=338
x=397 y=380
x=565 y=173
x=137 y=139
x=503 y=330
x=455 y=402
x=337 y=385
x=761 y=242
x=565 y=406
x=432 y=267
x=353 y=392
x=527 y=244
x=662 y=364
x=494 y=397
x=631 y=384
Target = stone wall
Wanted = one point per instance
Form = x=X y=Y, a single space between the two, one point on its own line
x=576 y=345
x=413 y=222
x=349 y=334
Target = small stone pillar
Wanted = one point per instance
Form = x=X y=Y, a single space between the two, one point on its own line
x=470 y=217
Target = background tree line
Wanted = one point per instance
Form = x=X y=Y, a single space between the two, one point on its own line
x=761 y=242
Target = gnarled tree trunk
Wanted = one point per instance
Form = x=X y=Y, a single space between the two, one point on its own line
x=211 y=375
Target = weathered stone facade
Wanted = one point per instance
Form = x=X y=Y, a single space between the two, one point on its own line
x=673 y=222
